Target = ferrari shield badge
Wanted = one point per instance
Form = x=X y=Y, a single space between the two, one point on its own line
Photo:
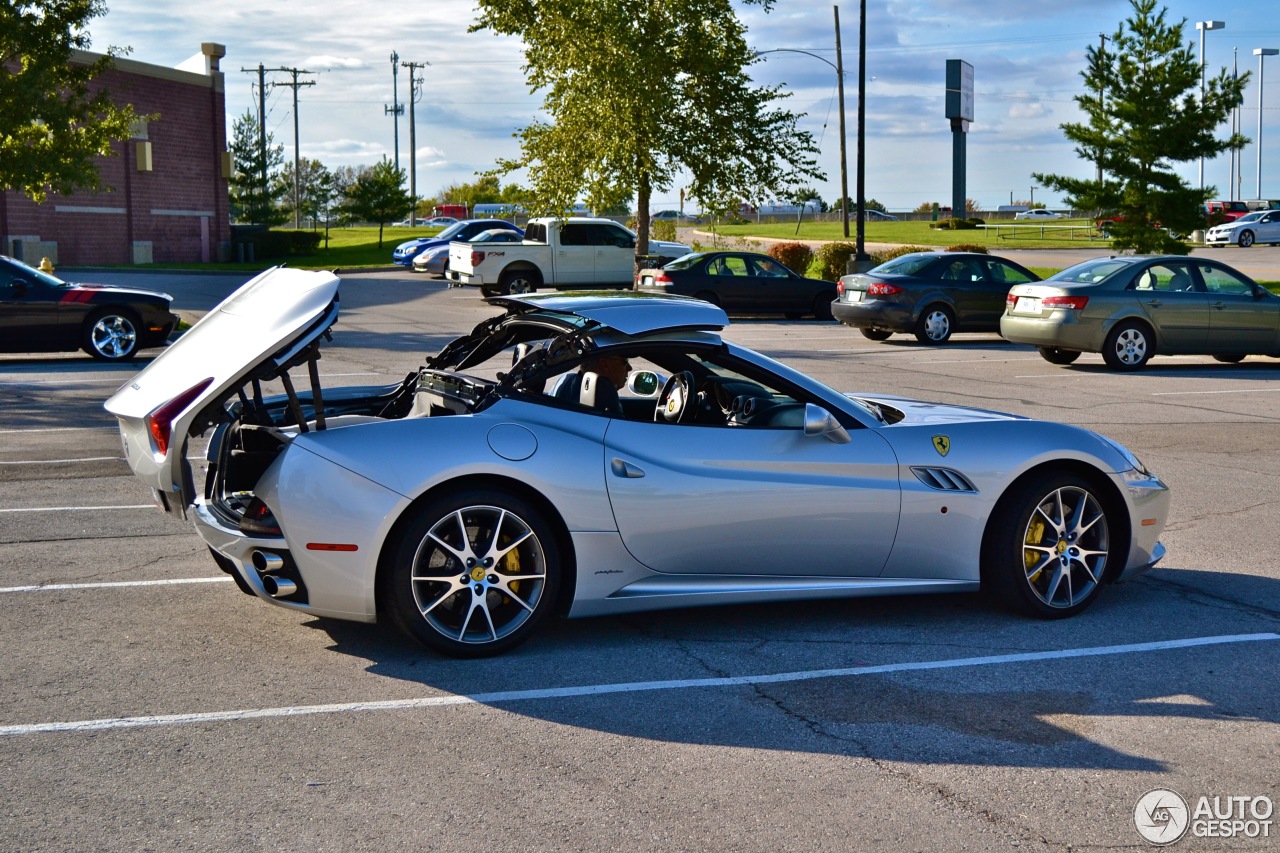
x=942 y=444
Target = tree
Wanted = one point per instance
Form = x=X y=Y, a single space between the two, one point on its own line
x=52 y=128
x=315 y=188
x=1144 y=116
x=378 y=195
x=252 y=198
x=637 y=90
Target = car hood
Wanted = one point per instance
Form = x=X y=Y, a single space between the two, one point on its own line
x=919 y=413
x=257 y=330
x=77 y=287
x=662 y=247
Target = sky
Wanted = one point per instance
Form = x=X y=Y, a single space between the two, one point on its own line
x=1027 y=57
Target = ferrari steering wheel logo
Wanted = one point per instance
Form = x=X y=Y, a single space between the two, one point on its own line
x=942 y=444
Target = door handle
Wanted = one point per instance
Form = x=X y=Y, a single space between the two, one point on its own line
x=1155 y=303
x=625 y=469
x=1220 y=305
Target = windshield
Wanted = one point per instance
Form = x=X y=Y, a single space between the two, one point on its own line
x=685 y=262
x=1089 y=272
x=1252 y=217
x=906 y=265
x=33 y=273
x=448 y=232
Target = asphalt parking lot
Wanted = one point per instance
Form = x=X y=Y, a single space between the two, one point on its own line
x=152 y=706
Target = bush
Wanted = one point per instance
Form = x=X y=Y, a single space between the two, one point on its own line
x=956 y=224
x=796 y=256
x=663 y=229
x=282 y=244
x=833 y=259
x=968 y=247
x=897 y=252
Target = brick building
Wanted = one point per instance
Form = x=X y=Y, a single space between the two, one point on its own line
x=169 y=198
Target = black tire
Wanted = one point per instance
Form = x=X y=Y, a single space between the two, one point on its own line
x=439 y=589
x=1049 y=545
x=935 y=325
x=1129 y=346
x=875 y=334
x=1056 y=355
x=822 y=306
x=708 y=296
x=1245 y=240
x=111 y=334
x=517 y=282
x=1230 y=358
x=487 y=291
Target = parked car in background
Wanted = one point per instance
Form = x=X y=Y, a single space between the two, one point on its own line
x=741 y=282
x=462 y=230
x=470 y=503
x=1225 y=211
x=1261 y=226
x=930 y=294
x=1038 y=213
x=440 y=222
x=873 y=215
x=1131 y=307
x=435 y=261
x=42 y=313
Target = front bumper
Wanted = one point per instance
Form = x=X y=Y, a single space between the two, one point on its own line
x=1223 y=239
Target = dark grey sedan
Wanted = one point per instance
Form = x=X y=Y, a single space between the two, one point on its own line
x=930 y=294
x=742 y=282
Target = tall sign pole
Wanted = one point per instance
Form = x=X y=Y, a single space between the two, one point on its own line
x=960 y=111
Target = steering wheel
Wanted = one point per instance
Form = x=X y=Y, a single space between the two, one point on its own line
x=673 y=402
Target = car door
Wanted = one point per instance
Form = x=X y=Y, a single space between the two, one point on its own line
x=728 y=276
x=776 y=289
x=575 y=255
x=965 y=282
x=1269 y=228
x=615 y=254
x=1177 y=307
x=988 y=299
x=29 y=314
x=1241 y=317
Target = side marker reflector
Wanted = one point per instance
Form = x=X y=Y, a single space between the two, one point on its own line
x=342 y=546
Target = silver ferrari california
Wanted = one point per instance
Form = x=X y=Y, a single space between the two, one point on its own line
x=597 y=453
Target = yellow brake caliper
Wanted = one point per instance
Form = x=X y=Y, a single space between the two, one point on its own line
x=1035 y=535
x=511 y=565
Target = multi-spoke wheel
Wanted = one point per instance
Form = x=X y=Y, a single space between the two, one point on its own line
x=1049 y=547
x=111 y=336
x=935 y=325
x=1128 y=347
x=473 y=574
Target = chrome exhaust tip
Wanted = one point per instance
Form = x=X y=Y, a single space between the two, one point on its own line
x=265 y=561
x=278 y=587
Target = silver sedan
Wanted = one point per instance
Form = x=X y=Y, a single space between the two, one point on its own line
x=601 y=453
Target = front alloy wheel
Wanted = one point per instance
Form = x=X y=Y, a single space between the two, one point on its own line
x=475 y=575
x=1245 y=240
x=1050 y=548
x=112 y=336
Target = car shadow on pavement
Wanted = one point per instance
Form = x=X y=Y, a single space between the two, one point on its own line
x=1047 y=713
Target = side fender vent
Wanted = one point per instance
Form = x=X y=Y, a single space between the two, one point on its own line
x=943 y=479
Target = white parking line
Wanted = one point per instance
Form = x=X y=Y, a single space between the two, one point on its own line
x=1228 y=391
x=53 y=587
x=68 y=380
x=63 y=461
x=604 y=689
x=77 y=508
x=54 y=429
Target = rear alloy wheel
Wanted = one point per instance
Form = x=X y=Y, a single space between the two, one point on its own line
x=1230 y=358
x=516 y=283
x=111 y=335
x=822 y=306
x=1128 y=347
x=935 y=325
x=1245 y=240
x=875 y=334
x=1049 y=547
x=1057 y=355
x=473 y=574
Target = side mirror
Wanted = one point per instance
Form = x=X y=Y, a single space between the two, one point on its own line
x=818 y=421
x=20 y=286
x=643 y=383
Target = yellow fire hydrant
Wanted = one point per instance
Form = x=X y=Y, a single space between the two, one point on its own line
x=45 y=266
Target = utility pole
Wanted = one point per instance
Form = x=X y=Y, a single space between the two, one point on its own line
x=844 y=167
x=415 y=91
x=297 y=160
x=396 y=109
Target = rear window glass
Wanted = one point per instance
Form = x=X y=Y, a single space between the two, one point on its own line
x=1089 y=272
x=685 y=262
x=907 y=264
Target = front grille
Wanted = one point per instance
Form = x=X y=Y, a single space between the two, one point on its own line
x=943 y=479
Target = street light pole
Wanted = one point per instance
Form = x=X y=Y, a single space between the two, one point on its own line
x=1262 y=53
x=1203 y=26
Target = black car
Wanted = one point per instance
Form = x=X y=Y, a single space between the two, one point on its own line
x=465 y=229
x=42 y=313
x=930 y=294
x=742 y=282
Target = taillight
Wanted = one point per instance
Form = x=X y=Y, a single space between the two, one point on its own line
x=662 y=278
x=1075 y=303
x=839 y=287
x=160 y=421
x=258 y=519
x=1010 y=300
x=881 y=288
x=476 y=257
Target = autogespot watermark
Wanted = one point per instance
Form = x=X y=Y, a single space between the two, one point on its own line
x=1164 y=817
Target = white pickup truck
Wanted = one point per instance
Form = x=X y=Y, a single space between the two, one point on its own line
x=578 y=252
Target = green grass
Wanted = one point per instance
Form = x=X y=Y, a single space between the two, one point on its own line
x=349 y=248
x=1079 y=233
